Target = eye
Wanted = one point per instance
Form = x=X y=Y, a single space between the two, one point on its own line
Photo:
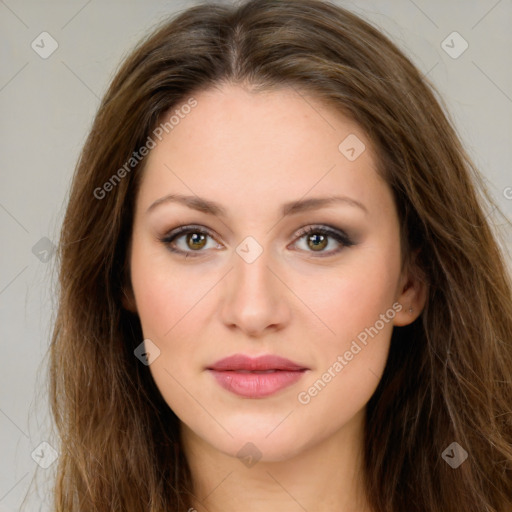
x=317 y=239
x=195 y=238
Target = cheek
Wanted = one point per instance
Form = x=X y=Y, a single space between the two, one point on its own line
x=352 y=340
x=163 y=295
x=352 y=297
x=168 y=303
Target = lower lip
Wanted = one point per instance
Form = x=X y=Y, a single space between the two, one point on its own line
x=256 y=385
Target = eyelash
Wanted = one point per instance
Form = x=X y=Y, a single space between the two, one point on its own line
x=340 y=237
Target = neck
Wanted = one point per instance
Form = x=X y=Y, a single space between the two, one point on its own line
x=326 y=476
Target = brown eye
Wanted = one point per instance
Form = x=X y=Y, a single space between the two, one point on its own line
x=317 y=238
x=317 y=242
x=188 y=240
x=196 y=240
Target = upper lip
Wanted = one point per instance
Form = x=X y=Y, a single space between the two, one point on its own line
x=247 y=363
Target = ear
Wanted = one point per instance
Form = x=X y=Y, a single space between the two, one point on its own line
x=412 y=294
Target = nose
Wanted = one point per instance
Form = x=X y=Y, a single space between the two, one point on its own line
x=255 y=297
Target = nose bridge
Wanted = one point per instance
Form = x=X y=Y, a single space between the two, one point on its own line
x=253 y=276
x=253 y=297
x=251 y=266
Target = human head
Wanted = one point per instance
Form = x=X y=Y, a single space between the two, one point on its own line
x=320 y=50
x=280 y=297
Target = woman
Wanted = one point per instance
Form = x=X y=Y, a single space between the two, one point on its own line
x=278 y=286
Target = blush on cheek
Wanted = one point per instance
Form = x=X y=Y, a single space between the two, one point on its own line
x=351 y=308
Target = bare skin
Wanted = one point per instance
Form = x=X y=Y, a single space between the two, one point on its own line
x=305 y=297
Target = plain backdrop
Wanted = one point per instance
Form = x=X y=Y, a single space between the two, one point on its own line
x=47 y=107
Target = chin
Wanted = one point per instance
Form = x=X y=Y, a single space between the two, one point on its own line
x=261 y=449
x=265 y=439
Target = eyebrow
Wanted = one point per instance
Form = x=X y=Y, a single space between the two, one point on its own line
x=291 y=208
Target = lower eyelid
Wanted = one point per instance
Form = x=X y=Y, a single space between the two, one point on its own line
x=340 y=238
x=171 y=241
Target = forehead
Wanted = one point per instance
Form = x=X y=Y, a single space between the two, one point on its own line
x=252 y=149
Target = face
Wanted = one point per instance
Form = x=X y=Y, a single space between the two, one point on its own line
x=266 y=269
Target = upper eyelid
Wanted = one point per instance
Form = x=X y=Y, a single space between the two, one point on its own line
x=331 y=231
x=184 y=229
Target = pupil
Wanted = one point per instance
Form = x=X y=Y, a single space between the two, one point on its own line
x=322 y=242
x=197 y=238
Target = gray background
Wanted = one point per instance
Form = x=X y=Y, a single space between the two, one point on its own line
x=48 y=106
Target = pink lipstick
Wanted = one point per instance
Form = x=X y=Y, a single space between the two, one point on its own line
x=256 y=377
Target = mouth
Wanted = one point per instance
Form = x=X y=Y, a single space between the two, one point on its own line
x=256 y=377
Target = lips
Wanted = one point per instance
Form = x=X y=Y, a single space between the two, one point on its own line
x=256 y=377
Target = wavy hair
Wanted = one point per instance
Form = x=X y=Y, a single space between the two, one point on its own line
x=448 y=376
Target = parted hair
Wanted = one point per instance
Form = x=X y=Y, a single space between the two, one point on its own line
x=448 y=376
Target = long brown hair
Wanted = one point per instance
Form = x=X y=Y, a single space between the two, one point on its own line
x=449 y=374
